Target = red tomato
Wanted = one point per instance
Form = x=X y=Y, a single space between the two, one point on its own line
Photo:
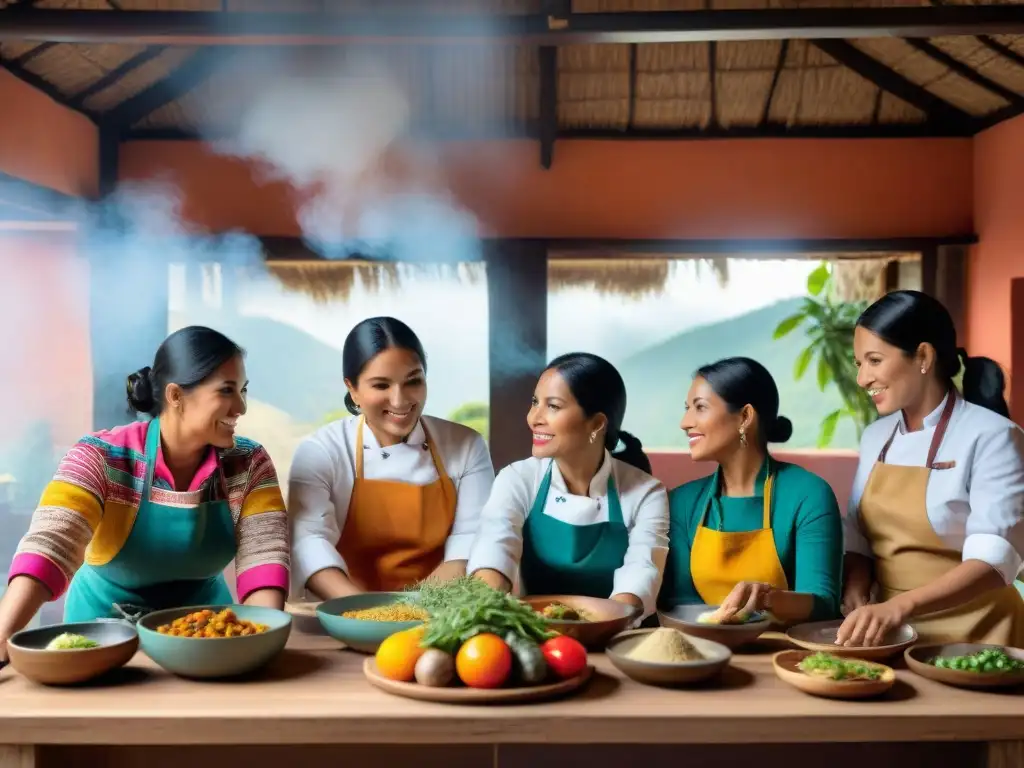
x=566 y=656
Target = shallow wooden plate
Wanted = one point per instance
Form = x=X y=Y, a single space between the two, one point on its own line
x=786 y=668
x=919 y=656
x=461 y=695
x=821 y=636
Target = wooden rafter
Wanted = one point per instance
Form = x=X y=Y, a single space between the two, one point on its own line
x=251 y=28
x=548 y=104
x=115 y=75
x=780 y=64
x=196 y=69
x=937 y=110
x=968 y=73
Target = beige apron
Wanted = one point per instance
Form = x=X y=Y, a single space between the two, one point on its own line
x=909 y=554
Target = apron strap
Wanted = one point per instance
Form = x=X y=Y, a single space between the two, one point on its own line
x=438 y=463
x=614 y=502
x=359 y=448
x=767 y=490
x=152 y=450
x=940 y=433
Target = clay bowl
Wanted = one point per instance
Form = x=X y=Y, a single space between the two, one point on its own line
x=821 y=636
x=919 y=660
x=684 y=618
x=118 y=642
x=605 y=618
x=786 y=666
x=716 y=658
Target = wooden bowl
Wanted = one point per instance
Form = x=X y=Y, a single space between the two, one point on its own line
x=118 y=642
x=786 y=665
x=684 y=618
x=919 y=657
x=821 y=636
x=215 y=657
x=716 y=658
x=358 y=634
x=606 y=618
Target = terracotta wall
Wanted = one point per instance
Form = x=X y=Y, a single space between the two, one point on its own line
x=621 y=189
x=999 y=255
x=45 y=143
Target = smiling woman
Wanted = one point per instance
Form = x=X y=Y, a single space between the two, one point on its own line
x=388 y=496
x=106 y=534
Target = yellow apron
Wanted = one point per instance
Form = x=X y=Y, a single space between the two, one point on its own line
x=719 y=560
x=395 y=532
x=909 y=554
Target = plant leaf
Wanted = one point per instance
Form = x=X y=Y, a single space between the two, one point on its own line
x=802 y=361
x=828 y=428
x=824 y=373
x=788 y=325
x=818 y=279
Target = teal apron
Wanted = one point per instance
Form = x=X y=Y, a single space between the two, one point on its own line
x=563 y=559
x=174 y=556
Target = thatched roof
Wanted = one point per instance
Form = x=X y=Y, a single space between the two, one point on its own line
x=467 y=91
x=631 y=275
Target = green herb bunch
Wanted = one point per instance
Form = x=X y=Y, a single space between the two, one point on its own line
x=465 y=607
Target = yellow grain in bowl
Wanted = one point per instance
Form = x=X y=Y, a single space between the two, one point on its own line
x=394 y=612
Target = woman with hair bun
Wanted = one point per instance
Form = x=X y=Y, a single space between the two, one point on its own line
x=936 y=516
x=147 y=516
x=388 y=496
x=577 y=517
x=758 y=533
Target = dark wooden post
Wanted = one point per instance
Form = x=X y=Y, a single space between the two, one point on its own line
x=517 y=294
x=1016 y=394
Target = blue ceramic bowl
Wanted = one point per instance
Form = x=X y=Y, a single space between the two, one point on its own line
x=358 y=634
x=214 y=657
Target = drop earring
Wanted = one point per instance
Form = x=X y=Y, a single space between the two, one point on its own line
x=593 y=436
x=743 y=437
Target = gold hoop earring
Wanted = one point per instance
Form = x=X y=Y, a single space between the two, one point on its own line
x=743 y=437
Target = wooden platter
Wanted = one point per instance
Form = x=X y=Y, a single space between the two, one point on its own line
x=785 y=664
x=463 y=695
x=919 y=657
x=821 y=636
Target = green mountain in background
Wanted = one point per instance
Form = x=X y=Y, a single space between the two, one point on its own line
x=658 y=378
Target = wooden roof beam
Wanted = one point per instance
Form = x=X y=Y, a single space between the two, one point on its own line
x=115 y=75
x=968 y=73
x=937 y=110
x=249 y=28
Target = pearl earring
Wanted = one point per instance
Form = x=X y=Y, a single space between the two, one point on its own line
x=924 y=370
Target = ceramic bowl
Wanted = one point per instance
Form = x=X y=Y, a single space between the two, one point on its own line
x=604 y=618
x=787 y=668
x=218 y=656
x=359 y=634
x=118 y=642
x=684 y=618
x=919 y=660
x=716 y=658
x=821 y=636
x=304 y=617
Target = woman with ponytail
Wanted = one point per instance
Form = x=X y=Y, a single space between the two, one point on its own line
x=758 y=533
x=147 y=516
x=935 y=528
x=388 y=496
x=580 y=516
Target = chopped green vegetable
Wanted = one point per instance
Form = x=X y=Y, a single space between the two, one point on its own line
x=836 y=668
x=986 y=661
x=465 y=607
x=69 y=642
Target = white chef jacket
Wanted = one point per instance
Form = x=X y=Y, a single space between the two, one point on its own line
x=323 y=471
x=499 y=543
x=976 y=506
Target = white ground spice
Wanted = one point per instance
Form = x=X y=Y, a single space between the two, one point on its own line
x=665 y=646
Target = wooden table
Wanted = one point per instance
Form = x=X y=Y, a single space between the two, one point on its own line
x=312 y=707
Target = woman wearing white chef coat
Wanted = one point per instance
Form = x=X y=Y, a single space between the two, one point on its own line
x=936 y=517
x=574 y=518
x=386 y=497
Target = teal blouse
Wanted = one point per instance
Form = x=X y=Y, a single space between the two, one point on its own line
x=806 y=525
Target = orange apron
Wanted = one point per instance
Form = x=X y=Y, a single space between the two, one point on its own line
x=395 y=532
x=909 y=554
x=719 y=560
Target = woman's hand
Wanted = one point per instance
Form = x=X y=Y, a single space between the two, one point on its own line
x=448 y=571
x=493 y=579
x=854 y=597
x=868 y=625
x=746 y=598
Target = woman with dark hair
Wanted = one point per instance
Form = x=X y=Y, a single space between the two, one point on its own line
x=576 y=518
x=936 y=516
x=388 y=496
x=147 y=516
x=757 y=534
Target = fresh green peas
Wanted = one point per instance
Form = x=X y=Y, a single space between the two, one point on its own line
x=989 y=660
